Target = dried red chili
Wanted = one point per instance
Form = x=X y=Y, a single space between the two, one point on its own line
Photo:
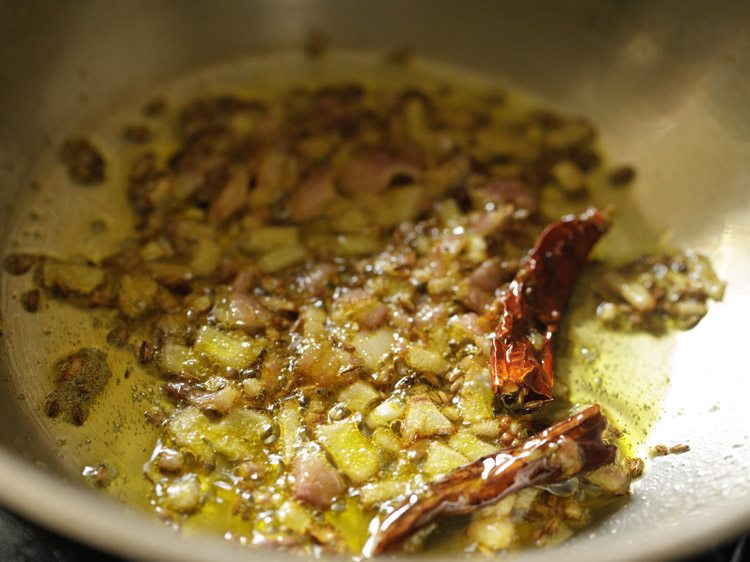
x=570 y=447
x=521 y=360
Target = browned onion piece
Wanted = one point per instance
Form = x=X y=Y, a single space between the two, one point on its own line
x=372 y=171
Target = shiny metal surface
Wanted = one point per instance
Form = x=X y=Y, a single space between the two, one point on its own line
x=668 y=83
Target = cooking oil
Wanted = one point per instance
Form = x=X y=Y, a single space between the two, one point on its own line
x=628 y=373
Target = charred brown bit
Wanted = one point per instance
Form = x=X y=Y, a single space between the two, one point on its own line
x=522 y=350
x=621 y=176
x=654 y=293
x=79 y=379
x=83 y=160
x=137 y=134
x=145 y=353
x=18 y=264
x=30 y=300
x=566 y=449
x=118 y=335
x=155 y=416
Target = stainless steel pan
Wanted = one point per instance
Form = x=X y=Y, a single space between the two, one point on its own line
x=667 y=82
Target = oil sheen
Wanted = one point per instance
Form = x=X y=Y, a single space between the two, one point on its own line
x=627 y=373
